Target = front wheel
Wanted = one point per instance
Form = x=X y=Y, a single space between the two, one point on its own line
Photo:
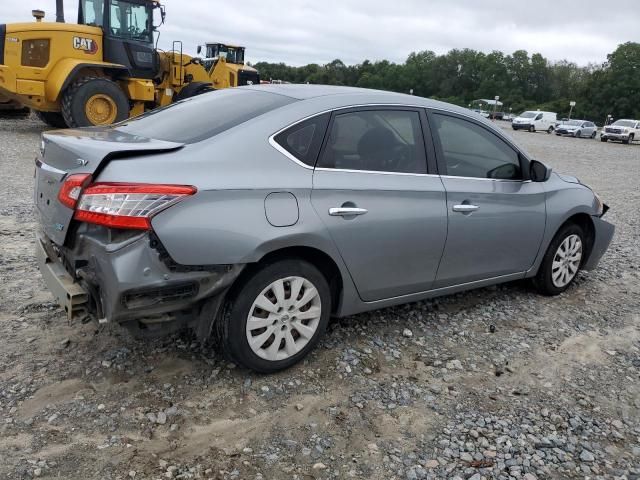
x=532 y=129
x=593 y=135
x=629 y=140
x=276 y=317
x=562 y=261
x=578 y=134
x=603 y=139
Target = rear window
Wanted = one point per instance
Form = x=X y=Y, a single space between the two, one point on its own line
x=204 y=116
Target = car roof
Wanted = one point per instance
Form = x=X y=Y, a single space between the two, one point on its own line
x=352 y=95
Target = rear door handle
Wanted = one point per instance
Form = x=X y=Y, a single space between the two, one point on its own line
x=465 y=208
x=346 y=211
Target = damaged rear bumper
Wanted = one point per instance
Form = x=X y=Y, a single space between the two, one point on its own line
x=128 y=278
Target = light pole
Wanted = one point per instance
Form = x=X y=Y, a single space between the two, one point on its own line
x=571 y=104
x=495 y=105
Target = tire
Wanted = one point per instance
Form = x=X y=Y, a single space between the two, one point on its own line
x=578 y=134
x=550 y=130
x=593 y=135
x=629 y=140
x=192 y=89
x=603 y=139
x=532 y=129
x=546 y=280
x=111 y=102
x=232 y=330
x=53 y=119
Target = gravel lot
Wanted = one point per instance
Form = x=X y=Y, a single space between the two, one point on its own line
x=493 y=383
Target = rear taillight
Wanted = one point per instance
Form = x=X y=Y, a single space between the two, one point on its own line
x=72 y=188
x=127 y=205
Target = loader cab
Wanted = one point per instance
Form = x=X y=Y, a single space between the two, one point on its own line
x=128 y=28
x=231 y=53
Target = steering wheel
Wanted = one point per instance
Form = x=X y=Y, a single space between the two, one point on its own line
x=401 y=156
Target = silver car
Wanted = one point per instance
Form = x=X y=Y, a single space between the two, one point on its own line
x=577 y=128
x=254 y=214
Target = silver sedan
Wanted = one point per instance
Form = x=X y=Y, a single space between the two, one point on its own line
x=577 y=128
x=254 y=214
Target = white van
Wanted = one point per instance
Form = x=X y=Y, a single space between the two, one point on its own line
x=535 y=121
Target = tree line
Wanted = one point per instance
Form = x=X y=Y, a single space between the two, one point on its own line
x=463 y=75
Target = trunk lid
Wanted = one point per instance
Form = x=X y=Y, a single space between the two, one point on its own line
x=65 y=152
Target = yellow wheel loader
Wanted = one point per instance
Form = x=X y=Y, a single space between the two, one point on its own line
x=105 y=68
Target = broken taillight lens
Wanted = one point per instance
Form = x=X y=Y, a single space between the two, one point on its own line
x=127 y=205
x=72 y=188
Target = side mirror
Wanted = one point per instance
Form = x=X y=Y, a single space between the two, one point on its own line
x=199 y=49
x=538 y=171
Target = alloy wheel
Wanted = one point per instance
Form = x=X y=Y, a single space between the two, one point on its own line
x=283 y=318
x=566 y=261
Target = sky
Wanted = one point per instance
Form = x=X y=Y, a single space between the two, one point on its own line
x=298 y=32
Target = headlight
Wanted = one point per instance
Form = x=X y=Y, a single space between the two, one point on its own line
x=35 y=53
x=599 y=204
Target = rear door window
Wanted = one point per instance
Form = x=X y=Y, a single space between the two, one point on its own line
x=375 y=140
x=198 y=118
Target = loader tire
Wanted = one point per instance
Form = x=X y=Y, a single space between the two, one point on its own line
x=53 y=119
x=192 y=89
x=91 y=101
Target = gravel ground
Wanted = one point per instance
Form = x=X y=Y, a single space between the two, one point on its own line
x=493 y=383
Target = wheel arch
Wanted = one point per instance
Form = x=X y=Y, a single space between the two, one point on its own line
x=316 y=257
x=68 y=70
x=585 y=222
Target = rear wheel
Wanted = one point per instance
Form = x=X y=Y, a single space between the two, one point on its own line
x=550 y=130
x=94 y=101
x=276 y=317
x=53 y=119
x=562 y=261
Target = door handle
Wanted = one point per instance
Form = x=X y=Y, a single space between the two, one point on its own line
x=346 y=211
x=465 y=208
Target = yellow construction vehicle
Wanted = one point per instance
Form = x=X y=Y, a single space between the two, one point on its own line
x=105 y=68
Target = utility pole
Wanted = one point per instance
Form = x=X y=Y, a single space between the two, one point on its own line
x=571 y=104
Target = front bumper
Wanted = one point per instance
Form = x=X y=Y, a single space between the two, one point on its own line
x=120 y=279
x=615 y=136
x=603 y=235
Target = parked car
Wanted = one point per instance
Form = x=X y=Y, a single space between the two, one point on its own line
x=256 y=213
x=623 y=130
x=534 y=121
x=577 y=128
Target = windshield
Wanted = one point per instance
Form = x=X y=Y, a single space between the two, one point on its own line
x=624 y=123
x=528 y=114
x=197 y=118
x=131 y=21
x=574 y=122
